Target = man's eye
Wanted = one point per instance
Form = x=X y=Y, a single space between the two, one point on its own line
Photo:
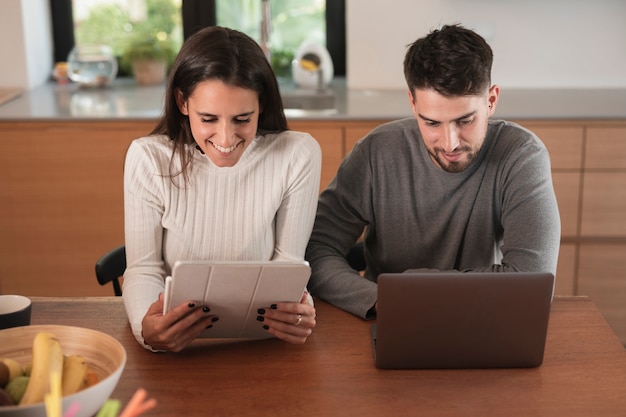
x=431 y=123
x=465 y=122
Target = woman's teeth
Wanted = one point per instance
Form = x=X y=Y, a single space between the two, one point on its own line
x=225 y=150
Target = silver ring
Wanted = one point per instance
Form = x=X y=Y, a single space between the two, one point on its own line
x=297 y=323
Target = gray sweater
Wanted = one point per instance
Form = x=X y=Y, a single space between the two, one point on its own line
x=500 y=214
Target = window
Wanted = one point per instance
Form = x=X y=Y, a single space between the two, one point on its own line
x=292 y=22
x=115 y=22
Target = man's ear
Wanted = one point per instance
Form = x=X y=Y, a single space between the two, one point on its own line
x=492 y=98
x=412 y=101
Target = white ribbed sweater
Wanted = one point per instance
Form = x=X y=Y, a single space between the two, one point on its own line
x=260 y=209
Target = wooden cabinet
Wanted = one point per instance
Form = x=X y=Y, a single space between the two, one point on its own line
x=61 y=201
x=330 y=137
x=357 y=130
x=589 y=173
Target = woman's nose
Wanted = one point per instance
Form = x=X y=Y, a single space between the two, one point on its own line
x=224 y=134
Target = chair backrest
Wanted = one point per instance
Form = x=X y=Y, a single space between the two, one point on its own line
x=110 y=267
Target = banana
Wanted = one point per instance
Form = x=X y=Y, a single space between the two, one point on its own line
x=47 y=359
x=74 y=376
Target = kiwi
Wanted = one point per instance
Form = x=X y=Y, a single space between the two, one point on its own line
x=17 y=388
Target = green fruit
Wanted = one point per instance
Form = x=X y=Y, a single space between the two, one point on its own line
x=5 y=374
x=5 y=399
x=17 y=387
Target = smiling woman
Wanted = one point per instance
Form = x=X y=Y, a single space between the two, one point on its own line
x=220 y=178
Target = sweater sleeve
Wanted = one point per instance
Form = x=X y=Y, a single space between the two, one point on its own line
x=343 y=212
x=143 y=211
x=295 y=216
x=529 y=214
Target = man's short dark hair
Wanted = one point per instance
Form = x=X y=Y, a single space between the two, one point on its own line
x=453 y=60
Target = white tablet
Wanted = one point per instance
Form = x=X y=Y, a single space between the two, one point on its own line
x=235 y=291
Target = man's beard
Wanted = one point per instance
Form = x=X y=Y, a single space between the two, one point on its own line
x=455 y=166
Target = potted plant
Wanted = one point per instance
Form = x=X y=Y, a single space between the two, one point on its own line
x=148 y=59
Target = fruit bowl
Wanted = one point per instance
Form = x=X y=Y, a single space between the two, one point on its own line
x=103 y=354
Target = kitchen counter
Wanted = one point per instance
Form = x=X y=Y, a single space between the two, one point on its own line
x=124 y=100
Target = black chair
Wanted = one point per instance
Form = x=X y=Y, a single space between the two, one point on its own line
x=110 y=267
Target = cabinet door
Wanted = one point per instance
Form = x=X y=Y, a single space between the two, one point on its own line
x=330 y=138
x=601 y=277
x=604 y=196
x=564 y=143
x=61 y=187
x=606 y=148
x=604 y=204
x=356 y=131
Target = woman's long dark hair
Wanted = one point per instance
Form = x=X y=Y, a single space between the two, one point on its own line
x=218 y=53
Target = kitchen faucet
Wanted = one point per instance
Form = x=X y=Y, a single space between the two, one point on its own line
x=266 y=28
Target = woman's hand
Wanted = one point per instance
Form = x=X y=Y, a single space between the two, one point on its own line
x=292 y=322
x=176 y=329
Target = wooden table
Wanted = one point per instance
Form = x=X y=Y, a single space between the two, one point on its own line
x=333 y=374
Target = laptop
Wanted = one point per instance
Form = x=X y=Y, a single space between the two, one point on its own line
x=461 y=320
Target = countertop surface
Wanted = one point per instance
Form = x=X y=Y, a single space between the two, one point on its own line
x=124 y=100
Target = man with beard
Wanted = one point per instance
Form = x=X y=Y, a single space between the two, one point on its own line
x=448 y=189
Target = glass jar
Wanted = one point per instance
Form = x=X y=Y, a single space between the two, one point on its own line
x=92 y=65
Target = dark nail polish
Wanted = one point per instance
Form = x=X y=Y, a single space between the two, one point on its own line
x=214 y=319
x=266 y=327
x=206 y=309
x=260 y=318
x=209 y=326
x=191 y=304
x=261 y=311
x=274 y=306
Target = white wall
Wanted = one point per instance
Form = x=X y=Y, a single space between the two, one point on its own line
x=536 y=43
x=25 y=43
